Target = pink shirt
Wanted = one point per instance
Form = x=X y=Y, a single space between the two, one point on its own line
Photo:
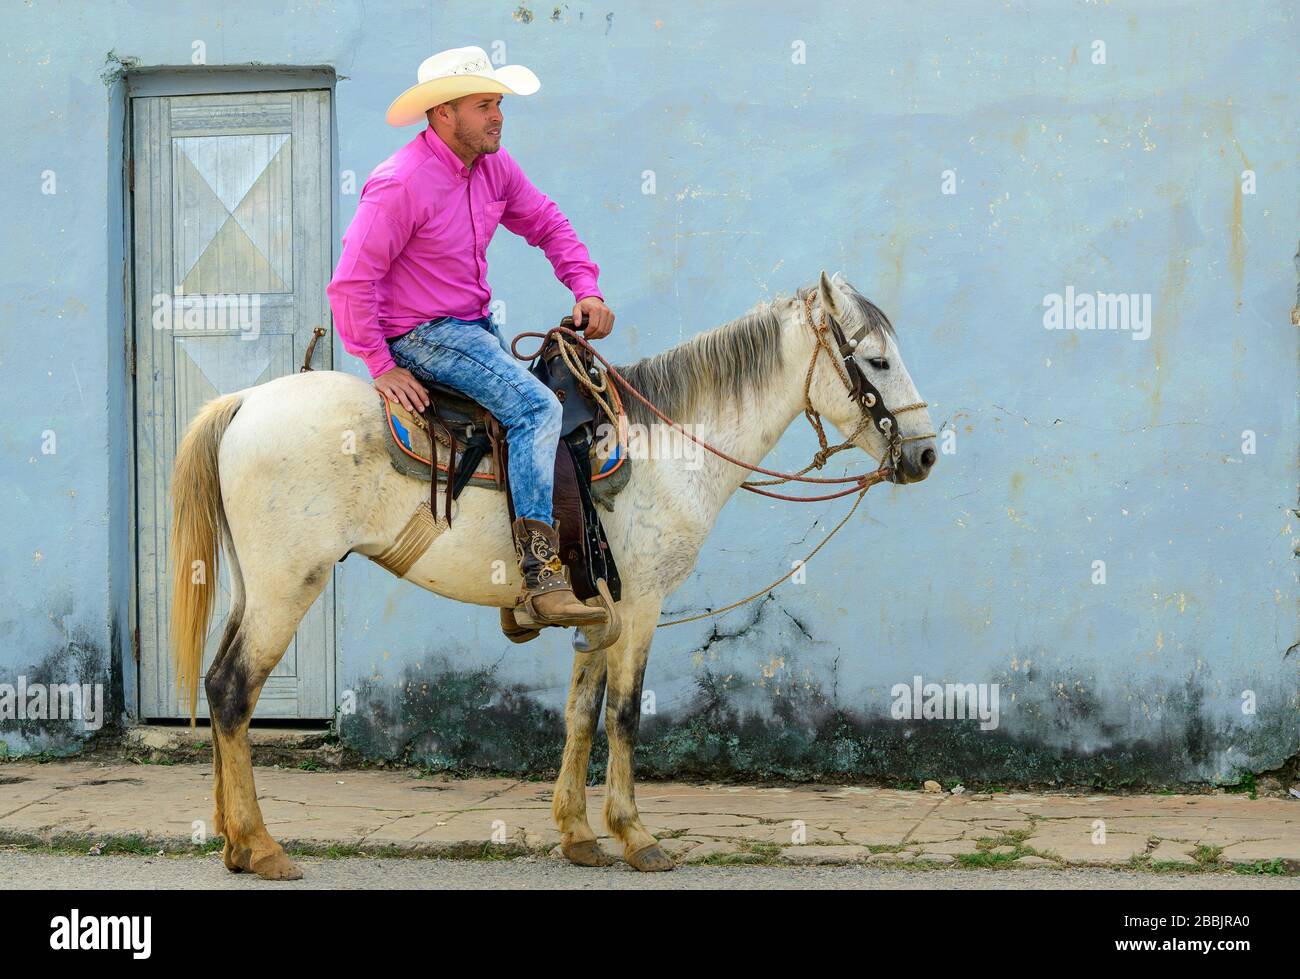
x=417 y=246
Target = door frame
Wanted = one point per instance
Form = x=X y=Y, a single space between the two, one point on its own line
x=159 y=82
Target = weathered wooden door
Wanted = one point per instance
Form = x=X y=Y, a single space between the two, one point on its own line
x=232 y=237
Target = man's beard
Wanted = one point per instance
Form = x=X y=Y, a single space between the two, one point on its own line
x=478 y=142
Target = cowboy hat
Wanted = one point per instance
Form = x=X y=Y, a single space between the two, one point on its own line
x=449 y=75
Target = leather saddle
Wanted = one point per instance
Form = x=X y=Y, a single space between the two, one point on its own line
x=470 y=448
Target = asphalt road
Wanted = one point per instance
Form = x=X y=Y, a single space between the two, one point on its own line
x=20 y=870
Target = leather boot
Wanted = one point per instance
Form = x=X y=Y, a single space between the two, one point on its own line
x=548 y=599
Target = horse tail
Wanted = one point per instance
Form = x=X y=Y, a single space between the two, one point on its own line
x=196 y=518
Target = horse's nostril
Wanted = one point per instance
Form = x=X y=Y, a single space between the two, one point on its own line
x=927 y=458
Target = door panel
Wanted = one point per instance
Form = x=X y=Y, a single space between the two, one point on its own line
x=232 y=255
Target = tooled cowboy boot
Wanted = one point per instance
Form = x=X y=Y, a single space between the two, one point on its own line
x=548 y=598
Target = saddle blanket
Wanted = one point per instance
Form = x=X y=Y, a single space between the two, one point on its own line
x=411 y=450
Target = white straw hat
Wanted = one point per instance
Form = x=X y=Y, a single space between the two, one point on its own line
x=449 y=75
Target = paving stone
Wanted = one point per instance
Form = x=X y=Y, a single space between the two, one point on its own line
x=824 y=854
x=979 y=826
x=1076 y=846
x=753 y=831
x=1168 y=851
x=936 y=829
x=677 y=847
x=1208 y=829
x=1032 y=861
x=903 y=856
x=20 y=788
x=931 y=857
x=868 y=830
x=1252 y=850
x=952 y=847
x=711 y=848
x=697 y=821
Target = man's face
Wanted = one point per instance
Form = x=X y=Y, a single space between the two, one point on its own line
x=477 y=122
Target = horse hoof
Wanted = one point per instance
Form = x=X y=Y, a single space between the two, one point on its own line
x=276 y=866
x=586 y=853
x=233 y=860
x=649 y=859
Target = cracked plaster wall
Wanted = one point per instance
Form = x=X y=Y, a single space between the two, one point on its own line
x=1071 y=447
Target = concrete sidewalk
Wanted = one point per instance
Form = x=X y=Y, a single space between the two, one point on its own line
x=127 y=806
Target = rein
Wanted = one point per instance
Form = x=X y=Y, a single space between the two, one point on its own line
x=860 y=390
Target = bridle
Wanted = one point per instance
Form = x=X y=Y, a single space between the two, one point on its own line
x=870 y=403
x=861 y=390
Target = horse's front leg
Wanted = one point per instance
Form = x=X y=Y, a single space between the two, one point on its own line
x=569 y=802
x=626 y=670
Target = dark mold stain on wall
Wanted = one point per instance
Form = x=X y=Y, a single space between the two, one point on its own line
x=454 y=720
x=450 y=719
x=78 y=661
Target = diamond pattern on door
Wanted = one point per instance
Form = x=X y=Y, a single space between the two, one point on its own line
x=233 y=220
x=229 y=367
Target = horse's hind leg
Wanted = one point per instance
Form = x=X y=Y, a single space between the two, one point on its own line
x=233 y=685
x=569 y=803
x=227 y=637
x=218 y=784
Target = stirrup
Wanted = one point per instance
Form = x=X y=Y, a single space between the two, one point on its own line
x=590 y=638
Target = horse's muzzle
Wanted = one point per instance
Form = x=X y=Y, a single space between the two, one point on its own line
x=915 y=463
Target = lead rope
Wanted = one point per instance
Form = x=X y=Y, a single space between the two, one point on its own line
x=784 y=577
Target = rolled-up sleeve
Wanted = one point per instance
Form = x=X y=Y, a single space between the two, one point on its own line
x=379 y=231
x=537 y=219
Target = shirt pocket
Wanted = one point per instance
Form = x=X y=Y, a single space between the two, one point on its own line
x=492 y=212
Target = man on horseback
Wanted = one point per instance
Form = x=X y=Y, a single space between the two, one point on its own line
x=410 y=295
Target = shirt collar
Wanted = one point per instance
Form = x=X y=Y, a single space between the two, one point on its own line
x=443 y=152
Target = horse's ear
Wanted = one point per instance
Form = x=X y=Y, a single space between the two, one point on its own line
x=829 y=295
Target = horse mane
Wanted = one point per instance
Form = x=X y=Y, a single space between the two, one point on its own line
x=733 y=360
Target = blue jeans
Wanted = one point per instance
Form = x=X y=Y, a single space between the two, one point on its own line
x=470 y=356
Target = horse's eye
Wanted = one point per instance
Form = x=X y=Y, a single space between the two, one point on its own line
x=879 y=363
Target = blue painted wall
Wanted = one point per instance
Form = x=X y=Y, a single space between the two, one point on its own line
x=1070 y=447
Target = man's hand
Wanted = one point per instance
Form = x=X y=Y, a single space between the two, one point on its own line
x=400 y=385
x=597 y=317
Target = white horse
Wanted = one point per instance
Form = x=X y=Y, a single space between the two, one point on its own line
x=286 y=515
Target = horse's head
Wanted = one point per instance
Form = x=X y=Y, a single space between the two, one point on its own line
x=871 y=347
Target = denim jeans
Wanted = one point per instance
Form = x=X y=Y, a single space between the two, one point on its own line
x=470 y=356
